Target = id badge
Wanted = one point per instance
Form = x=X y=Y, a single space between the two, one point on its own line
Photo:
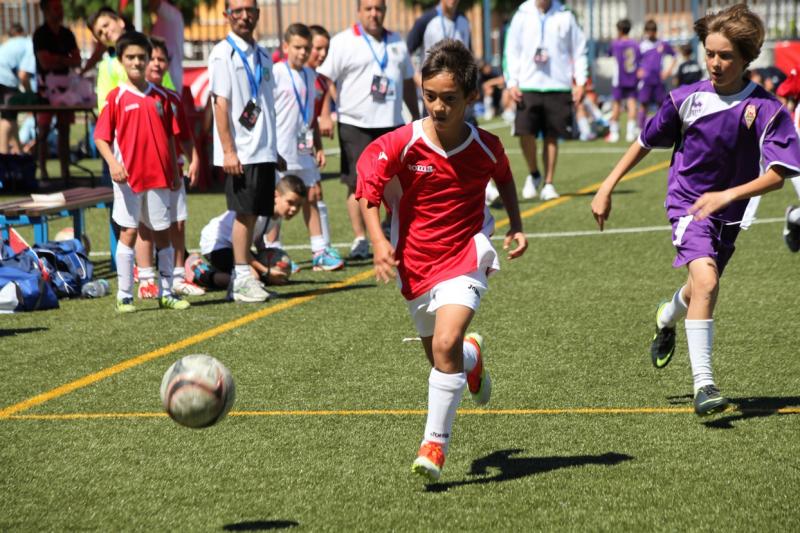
x=249 y=115
x=379 y=88
x=391 y=93
x=541 y=55
x=305 y=140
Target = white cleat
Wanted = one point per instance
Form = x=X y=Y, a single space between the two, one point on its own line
x=549 y=192
x=531 y=188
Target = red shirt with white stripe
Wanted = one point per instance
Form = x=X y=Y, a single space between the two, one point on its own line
x=440 y=222
x=139 y=125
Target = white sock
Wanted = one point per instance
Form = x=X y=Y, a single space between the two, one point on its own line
x=166 y=262
x=700 y=336
x=124 y=258
x=796 y=183
x=273 y=244
x=241 y=272
x=613 y=126
x=147 y=274
x=631 y=127
x=583 y=127
x=470 y=356
x=794 y=216
x=444 y=395
x=674 y=310
x=179 y=272
x=317 y=244
x=323 y=221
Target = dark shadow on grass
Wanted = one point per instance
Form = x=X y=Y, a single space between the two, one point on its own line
x=683 y=399
x=506 y=468
x=19 y=331
x=260 y=525
x=757 y=407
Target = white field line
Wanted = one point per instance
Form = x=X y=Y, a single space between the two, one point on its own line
x=546 y=235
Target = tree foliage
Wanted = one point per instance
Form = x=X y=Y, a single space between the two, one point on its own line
x=82 y=10
x=503 y=7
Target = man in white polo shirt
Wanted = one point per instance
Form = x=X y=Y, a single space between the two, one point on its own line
x=244 y=135
x=374 y=76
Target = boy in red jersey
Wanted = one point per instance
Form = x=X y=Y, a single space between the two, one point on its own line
x=139 y=121
x=432 y=174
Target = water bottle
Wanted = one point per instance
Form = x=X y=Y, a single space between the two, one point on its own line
x=95 y=289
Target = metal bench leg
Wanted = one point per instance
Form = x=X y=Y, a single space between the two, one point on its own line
x=40 y=230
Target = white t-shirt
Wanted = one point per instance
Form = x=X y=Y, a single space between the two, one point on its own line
x=352 y=65
x=288 y=117
x=216 y=235
x=169 y=26
x=229 y=80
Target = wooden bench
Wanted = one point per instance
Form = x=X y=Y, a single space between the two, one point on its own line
x=25 y=212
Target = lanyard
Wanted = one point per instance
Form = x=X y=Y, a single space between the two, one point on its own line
x=255 y=80
x=543 y=19
x=385 y=59
x=444 y=31
x=304 y=109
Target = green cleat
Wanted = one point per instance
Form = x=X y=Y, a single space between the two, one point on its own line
x=173 y=302
x=125 y=305
x=663 y=345
x=708 y=400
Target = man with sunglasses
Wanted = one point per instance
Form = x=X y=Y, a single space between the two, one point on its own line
x=244 y=136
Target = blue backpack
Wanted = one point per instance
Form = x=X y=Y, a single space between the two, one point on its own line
x=23 y=271
x=67 y=264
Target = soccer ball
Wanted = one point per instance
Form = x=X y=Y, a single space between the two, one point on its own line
x=197 y=391
x=68 y=233
x=279 y=263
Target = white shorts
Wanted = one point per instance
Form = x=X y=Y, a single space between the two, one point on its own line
x=310 y=176
x=150 y=207
x=466 y=290
x=177 y=204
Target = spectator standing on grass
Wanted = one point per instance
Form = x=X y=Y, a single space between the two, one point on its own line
x=372 y=70
x=56 y=53
x=17 y=68
x=245 y=143
x=545 y=50
x=731 y=140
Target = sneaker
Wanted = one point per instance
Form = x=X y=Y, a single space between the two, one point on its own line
x=630 y=136
x=612 y=137
x=708 y=400
x=791 y=231
x=183 y=287
x=531 y=188
x=148 y=290
x=248 y=290
x=492 y=194
x=509 y=115
x=548 y=192
x=478 y=380
x=125 y=305
x=429 y=461
x=294 y=268
x=173 y=302
x=359 y=249
x=326 y=261
x=662 y=347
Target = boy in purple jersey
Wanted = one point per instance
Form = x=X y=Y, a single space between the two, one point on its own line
x=626 y=51
x=651 y=77
x=731 y=140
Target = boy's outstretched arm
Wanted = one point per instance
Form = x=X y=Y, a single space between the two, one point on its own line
x=508 y=193
x=382 y=249
x=711 y=202
x=601 y=203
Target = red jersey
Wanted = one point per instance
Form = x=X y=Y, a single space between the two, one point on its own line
x=440 y=222
x=185 y=133
x=139 y=126
x=321 y=85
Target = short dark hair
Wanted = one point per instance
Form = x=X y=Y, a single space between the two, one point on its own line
x=297 y=29
x=450 y=55
x=650 y=25
x=316 y=29
x=624 y=26
x=16 y=30
x=160 y=44
x=105 y=10
x=133 y=38
x=291 y=183
x=686 y=49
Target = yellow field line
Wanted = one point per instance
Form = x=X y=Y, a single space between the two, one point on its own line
x=414 y=412
x=213 y=332
x=174 y=347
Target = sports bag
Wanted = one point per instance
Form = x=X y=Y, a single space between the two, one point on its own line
x=67 y=264
x=22 y=270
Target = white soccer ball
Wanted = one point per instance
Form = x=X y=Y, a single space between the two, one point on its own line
x=197 y=391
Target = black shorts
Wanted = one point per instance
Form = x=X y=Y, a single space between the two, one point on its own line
x=252 y=192
x=221 y=260
x=352 y=142
x=547 y=113
x=5 y=96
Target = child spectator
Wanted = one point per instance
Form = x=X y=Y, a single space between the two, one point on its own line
x=652 y=72
x=688 y=71
x=138 y=121
x=156 y=69
x=216 y=244
x=731 y=140
x=432 y=174
x=626 y=53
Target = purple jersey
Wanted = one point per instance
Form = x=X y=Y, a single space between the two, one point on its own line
x=720 y=141
x=651 y=55
x=626 y=52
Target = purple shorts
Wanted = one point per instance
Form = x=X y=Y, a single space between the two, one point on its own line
x=623 y=93
x=705 y=238
x=652 y=93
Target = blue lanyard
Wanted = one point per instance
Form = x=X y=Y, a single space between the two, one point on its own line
x=304 y=109
x=255 y=80
x=541 y=33
x=444 y=31
x=383 y=61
